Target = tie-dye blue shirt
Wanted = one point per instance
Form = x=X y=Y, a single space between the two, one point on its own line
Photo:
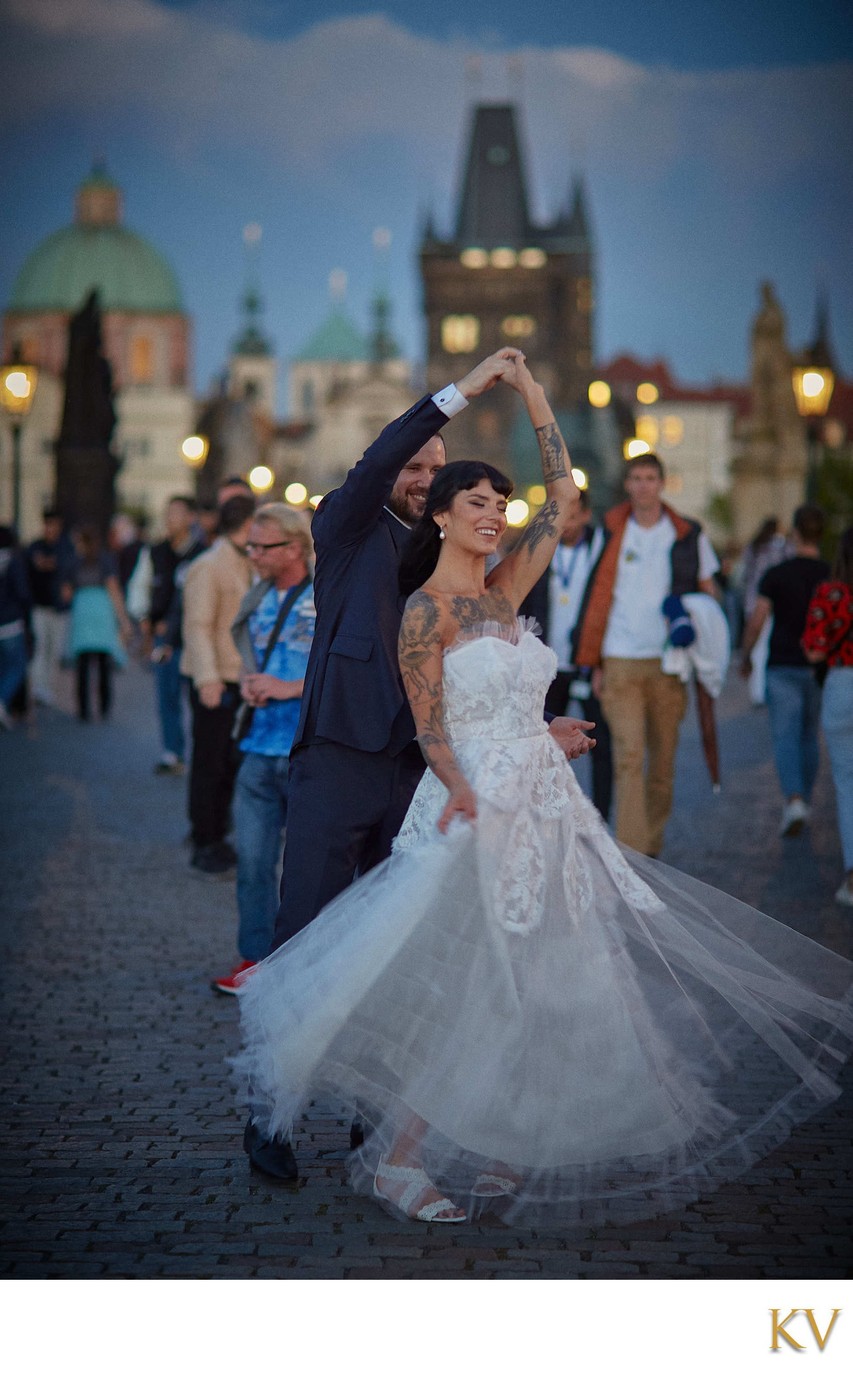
x=274 y=724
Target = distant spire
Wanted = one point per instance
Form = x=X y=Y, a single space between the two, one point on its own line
x=578 y=218
x=337 y=286
x=429 y=233
x=382 y=344
x=493 y=200
x=820 y=351
x=251 y=340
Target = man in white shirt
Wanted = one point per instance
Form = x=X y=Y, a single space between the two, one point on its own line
x=651 y=552
x=555 y=603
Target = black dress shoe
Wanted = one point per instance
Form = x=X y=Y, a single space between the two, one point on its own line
x=274 y=1158
x=356 y=1136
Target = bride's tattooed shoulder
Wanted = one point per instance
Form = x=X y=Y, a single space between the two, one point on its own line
x=492 y=607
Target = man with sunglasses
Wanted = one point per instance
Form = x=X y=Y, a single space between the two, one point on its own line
x=273 y=632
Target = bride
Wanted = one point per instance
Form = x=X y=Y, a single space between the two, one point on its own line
x=531 y=1019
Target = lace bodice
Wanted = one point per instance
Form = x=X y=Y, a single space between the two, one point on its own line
x=495 y=683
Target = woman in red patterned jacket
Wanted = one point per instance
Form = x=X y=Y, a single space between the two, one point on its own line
x=829 y=638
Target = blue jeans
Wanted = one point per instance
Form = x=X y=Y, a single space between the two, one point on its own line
x=837 y=720
x=170 y=706
x=13 y=667
x=260 y=814
x=793 y=701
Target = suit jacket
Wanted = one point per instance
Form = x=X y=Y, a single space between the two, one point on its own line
x=353 y=690
x=215 y=585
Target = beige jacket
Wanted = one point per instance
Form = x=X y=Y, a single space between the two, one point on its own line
x=215 y=585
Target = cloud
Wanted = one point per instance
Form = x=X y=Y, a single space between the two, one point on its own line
x=305 y=103
x=701 y=183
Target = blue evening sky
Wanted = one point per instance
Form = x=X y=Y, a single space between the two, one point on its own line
x=714 y=140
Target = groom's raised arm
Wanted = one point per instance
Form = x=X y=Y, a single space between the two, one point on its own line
x=348 y=513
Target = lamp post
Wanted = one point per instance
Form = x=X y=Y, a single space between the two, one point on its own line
x=813 y=385
x=17 y=390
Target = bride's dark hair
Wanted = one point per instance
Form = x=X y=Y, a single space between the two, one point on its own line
x=424 y=545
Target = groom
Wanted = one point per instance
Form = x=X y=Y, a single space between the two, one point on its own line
x=355 y=762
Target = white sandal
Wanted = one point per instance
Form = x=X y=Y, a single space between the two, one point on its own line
x=491 y=1186
x=416 y=1181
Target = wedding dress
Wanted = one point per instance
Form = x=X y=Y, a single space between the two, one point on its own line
x=609 y=1036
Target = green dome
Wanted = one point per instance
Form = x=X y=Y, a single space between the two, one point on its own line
x=336 y=339
x=129 y=275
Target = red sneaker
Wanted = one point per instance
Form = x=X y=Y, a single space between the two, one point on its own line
x=231 y=982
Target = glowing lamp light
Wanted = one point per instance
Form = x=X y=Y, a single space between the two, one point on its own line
x=194 y=450
x=261 y=478
x=474 y=258
x=517 y=512
x=537 y=493
x=647 y=429
x=634 y=447
x=599 y=393
x=647 y=393
x=503 y=258
x=296 y=493
x=580 y=477
x=18 y=388
x=315 y=499
x=813 y=388
x=532 y=258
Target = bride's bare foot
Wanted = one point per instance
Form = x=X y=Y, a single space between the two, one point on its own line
x=411 y=1190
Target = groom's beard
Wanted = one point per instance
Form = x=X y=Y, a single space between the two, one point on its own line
x=410 y=508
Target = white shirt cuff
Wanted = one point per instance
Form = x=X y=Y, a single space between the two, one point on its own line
x=450 y=400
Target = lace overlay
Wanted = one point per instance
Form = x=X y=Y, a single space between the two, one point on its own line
x=616 y=1035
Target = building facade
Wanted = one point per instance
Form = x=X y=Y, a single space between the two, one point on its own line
x=501 y=279
x=147 y=340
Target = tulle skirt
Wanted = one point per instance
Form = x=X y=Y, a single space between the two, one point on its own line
x=611 y=1037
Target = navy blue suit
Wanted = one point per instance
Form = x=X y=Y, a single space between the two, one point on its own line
x=355 y=763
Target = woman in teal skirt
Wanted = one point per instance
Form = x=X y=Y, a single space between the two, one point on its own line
x=99 y=621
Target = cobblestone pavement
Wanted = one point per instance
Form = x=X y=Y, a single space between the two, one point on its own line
x=121 y=1150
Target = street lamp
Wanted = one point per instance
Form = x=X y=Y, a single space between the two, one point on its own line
x=17 y=390
x=813 y=385
x=194 y=451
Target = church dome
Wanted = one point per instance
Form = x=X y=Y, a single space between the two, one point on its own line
x=97 y=252
x=336 y=339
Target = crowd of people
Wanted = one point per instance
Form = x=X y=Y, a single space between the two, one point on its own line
x=306 y=717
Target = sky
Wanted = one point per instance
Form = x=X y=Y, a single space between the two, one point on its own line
x=714 y=140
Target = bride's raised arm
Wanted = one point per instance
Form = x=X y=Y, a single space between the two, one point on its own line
x=519 y=571
x=420 y=652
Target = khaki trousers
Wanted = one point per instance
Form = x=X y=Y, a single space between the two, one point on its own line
x=644 y=709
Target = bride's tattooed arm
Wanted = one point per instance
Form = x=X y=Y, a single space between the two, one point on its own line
x=425 y=631
x=531 y=556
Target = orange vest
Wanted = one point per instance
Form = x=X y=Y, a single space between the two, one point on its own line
x=599 y=596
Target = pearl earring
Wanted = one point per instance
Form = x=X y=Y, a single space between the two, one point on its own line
x=441 y=534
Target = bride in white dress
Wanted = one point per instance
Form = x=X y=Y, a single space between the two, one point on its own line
x=532 y=1020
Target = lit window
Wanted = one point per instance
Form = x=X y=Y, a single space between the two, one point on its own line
x=584 y=294
x=141 y=360
x=647 y=429
x=518 y=325
x=474 y=258
x=460 y=334
x=599 y=393
x=532 y=258
x=672 y=430
x=503 y=258
x=647 y=393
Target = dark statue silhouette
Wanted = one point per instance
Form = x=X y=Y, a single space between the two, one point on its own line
x=85 y=465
